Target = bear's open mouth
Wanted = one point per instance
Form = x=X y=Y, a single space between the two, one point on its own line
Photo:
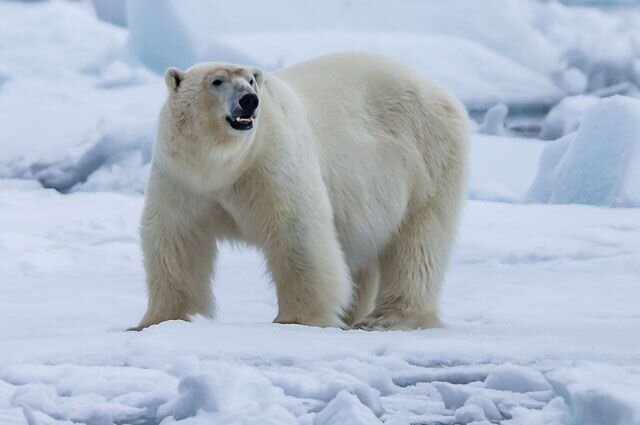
x=241 y=122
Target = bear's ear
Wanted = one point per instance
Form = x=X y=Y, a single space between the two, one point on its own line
x=258 y=75
x=173 y=77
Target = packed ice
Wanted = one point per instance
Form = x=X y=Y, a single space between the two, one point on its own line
x=599 y=164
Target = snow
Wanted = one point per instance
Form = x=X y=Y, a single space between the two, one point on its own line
x=516 y=378
x=162 y=38
x=596 y=401
x=603 y=46
x=346 y=409
x=566 y=117
x=54 y=103
x=116 y=157
x=194 y=393
x=111 y=11
x=539 y=305
x=558 y=49
x=157 y=36
x=494 y=120
x=598 y=165
x=572 y=81
x=469 y=413
x=99 y=81
x=508 y=179
x=488 y=408
x=208 y=19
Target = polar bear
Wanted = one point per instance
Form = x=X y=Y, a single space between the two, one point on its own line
x=347 y=172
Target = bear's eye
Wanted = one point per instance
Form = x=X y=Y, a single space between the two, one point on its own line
x=251 y=81
x=216 y=82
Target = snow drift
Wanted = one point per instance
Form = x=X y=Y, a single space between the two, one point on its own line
x=597 y=165
x=565 y=117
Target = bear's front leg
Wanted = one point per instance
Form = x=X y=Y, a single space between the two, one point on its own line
x=179 y=249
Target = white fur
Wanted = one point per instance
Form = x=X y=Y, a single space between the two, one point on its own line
x=353 y=173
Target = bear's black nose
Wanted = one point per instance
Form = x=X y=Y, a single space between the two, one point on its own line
x=249 y=102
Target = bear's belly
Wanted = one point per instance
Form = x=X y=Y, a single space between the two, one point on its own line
x=366 y=216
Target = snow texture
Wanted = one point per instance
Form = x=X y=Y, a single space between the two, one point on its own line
x=562 y=347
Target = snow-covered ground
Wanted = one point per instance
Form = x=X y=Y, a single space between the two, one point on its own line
x=540 y=306
x=541 y=303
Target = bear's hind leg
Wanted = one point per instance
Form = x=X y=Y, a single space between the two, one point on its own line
x=312 y=290
x=412 y=266
x=312 y=281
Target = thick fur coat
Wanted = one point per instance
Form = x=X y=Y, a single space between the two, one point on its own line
x=349 y=177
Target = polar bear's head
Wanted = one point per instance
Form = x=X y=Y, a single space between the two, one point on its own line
x=208 y=125
x=221 y=97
